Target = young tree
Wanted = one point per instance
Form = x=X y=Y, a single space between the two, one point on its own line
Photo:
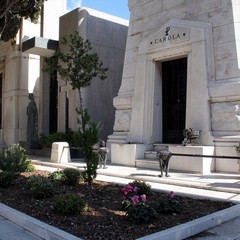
x=12 y=12
x=79 y=65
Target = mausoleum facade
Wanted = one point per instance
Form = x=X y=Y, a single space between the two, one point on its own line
x=21 y=75
x=181 y=71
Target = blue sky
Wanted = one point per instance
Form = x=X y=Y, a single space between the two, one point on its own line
x=117 y=8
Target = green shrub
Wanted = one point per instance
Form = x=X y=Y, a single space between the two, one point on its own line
x=88 y=136
x=141 y=213
x=14 y=159
x=6 y=178
x=169 y=204
x=72 y=176
x=57 y=175
x=41 y=187
x=143 y=187
x=70 y=204
x=30 y=168
x=48 y=140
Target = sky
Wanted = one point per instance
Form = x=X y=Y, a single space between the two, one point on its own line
x=117 y=8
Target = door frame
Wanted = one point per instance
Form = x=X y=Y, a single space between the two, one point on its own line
x=146 y=104
x=157 y=100
x=181 y=115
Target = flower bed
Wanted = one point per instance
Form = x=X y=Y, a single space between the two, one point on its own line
x=105 y=217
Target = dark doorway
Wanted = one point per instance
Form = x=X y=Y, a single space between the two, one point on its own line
x=174 y=79
x=53 y=112
x=1 y=99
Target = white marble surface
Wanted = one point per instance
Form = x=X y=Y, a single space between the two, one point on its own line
x=211 y=44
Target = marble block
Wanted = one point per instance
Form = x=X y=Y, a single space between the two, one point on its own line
x=60 y=152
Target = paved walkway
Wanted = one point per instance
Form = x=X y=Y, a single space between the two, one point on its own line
x=11 y=231
x=216 y=186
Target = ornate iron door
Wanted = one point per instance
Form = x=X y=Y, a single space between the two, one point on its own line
x=174 y=78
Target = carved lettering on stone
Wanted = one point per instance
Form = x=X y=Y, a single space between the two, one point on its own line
x=169 y=36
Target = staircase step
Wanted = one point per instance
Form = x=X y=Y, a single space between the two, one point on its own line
x=150 y=157
x=160 y=147
x=150 y=154
x=147 y=163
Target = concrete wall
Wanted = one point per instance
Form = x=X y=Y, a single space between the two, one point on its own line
x=108 y=38
x=53 y=9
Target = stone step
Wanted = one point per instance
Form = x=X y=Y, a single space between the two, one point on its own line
x=147 y=163
x=160 y=147
x=150 y=155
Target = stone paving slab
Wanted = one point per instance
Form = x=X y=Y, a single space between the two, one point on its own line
x=221 y=182
x=11 y=231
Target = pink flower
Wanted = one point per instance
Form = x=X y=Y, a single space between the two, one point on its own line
x=124 y=191
x=144 y=197
x=135 y=199
x=171 y=194
x=135 y=189
x=129 y=188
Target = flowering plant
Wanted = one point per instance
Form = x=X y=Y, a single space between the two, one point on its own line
x=134 y=203
x=169 y=204
x=132 y=196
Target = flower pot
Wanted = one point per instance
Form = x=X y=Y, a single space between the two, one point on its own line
x=193 y=134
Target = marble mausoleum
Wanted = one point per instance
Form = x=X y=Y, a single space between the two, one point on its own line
x=181 y=70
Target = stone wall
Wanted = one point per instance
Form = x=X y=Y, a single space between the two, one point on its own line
x=21 y=75
x=211 y=45
x=148 y=16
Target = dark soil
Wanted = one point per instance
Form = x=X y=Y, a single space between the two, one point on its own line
x=104 y=218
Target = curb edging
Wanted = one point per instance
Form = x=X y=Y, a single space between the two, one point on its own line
x=196 y=226
x=40 y=229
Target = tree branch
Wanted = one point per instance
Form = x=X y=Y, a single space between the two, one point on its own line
x=8 y=6
x=11 y=13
